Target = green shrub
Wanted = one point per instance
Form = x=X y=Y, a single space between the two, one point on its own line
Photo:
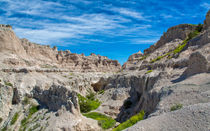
x=91 y=96
x=8 y=83
x=4 y=129
x=101 y=92
x=180 y=47
x=14 y=119
x=35 y=127
x=24 y=121
x=26 y=100
x=176 y=107
x=143 y=57
x=33 y=109
x=104 y=121
x=192 y=35
x=149 y=71
x=86 y=104
x=1 y=119
x=160 y=57
x=133 y=120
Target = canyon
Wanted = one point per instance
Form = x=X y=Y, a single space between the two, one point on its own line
x=42 y=88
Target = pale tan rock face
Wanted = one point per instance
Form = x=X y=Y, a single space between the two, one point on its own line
x=177 y=32
x=157 y=81
x=10 y=43
x=44 y=56
x=207 y=20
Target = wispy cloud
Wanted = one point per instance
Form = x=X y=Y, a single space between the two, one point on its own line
x=205 y=5
x=87 y=22
x=130 y=13
x=58 y=24
x=144 y=41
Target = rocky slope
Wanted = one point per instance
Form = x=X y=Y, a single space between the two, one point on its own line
x=170 y=82
x=23 y=53
x=173 y=72
x=44 y=80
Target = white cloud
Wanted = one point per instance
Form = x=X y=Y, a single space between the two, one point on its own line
x=205 y=5
x=144 y=41
x=65 y=25
x=166 y=16
x=130 y=13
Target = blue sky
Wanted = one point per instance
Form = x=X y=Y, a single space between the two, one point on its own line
x=113 y=28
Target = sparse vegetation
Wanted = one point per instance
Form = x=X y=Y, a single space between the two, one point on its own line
x=8 y=83
x=180 y=47
x=1 y=119
x=176 y=107
x=26 y=100
x=159 y=57
x=14 y=119
x=48 y=66
x=33 y=109
x=104 y=121
x=101 y=92
x=143 y=57
x=149 y=71
x=4 y=129
x=91 y=95
x=86 y=104
x=133 y=120
x=35 y=127
x=193 y=34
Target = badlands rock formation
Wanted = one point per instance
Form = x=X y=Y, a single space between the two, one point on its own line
x=170 y=81
x=32 y=74
x=19 y=53
x=174 y=71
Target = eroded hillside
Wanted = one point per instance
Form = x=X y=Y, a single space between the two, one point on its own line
x=168 y=85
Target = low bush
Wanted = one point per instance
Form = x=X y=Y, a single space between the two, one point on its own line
x=26 y=100
x=91 y=96
x=176 y=107
x=180 y=47
x=14 y=119
x=101 y=92
x=104 y=121
x=160 y=57
x=149 y=71
x=86 y=104
x=33 y=109
x=8 y=83
x=1 y=119
x=143 y=57
x=130 y=122
x=4 y=129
